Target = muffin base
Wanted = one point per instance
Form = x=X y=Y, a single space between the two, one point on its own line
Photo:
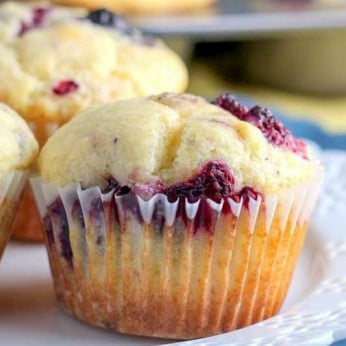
x=202 y=308
x=172 y=270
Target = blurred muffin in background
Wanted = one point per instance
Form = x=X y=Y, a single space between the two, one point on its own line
x=57 y=61
x=141 y=6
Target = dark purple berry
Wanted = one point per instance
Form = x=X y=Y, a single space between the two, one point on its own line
x=110 y=19
x=47 y=225
x=113 y=184
x=58 y=219
x=214 y=181
x=114 y=21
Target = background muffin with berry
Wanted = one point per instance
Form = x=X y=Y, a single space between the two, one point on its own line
x=174 y=217
x=55 y=62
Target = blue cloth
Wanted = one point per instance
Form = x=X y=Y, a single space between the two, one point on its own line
x=339 y=343
x=310 y=130
x=306 y=129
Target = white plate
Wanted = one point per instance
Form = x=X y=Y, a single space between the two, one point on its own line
x=238 y=18
x=314 y=312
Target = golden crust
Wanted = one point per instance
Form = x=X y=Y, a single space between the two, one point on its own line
x=166 y=138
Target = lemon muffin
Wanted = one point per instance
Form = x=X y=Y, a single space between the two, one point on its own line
x=172 y=217
x=54 y=68
x=142 y=6
x=18 y=150
x=55 y=62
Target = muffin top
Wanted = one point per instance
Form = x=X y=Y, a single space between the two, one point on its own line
x=172 y=143
x=57 y=61
x=18 y=147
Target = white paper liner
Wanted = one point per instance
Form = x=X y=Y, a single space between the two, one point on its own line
x=27 y=225
x=120 y=255
x=303 y=197
x=11 y=187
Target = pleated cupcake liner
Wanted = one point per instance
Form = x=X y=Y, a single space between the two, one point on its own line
x=27 y=225
x=11 y=187
x=174 y=270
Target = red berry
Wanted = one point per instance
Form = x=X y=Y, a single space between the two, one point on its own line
x=274 y=131
x=65 y=87
x=38 y=17
x=214 y=181
x=246 y=193
x=229 y=103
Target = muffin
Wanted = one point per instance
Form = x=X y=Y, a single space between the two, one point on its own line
x=56 y=62
x=142 y=6
x=18 y=150
x=171 y=217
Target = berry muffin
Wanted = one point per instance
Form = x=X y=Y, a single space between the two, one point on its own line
x=56 y=62
x=18 y=150
x=171 y=217
x=141 y=6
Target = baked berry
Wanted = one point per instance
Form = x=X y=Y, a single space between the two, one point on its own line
x=113 y=184
x=214 y=181
x=58 y=219
x=110 y=19
x=39 y=14
x=229 y=103
x=38 y=18
x=273 y=130
x=246 y=193
x=65 y=87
